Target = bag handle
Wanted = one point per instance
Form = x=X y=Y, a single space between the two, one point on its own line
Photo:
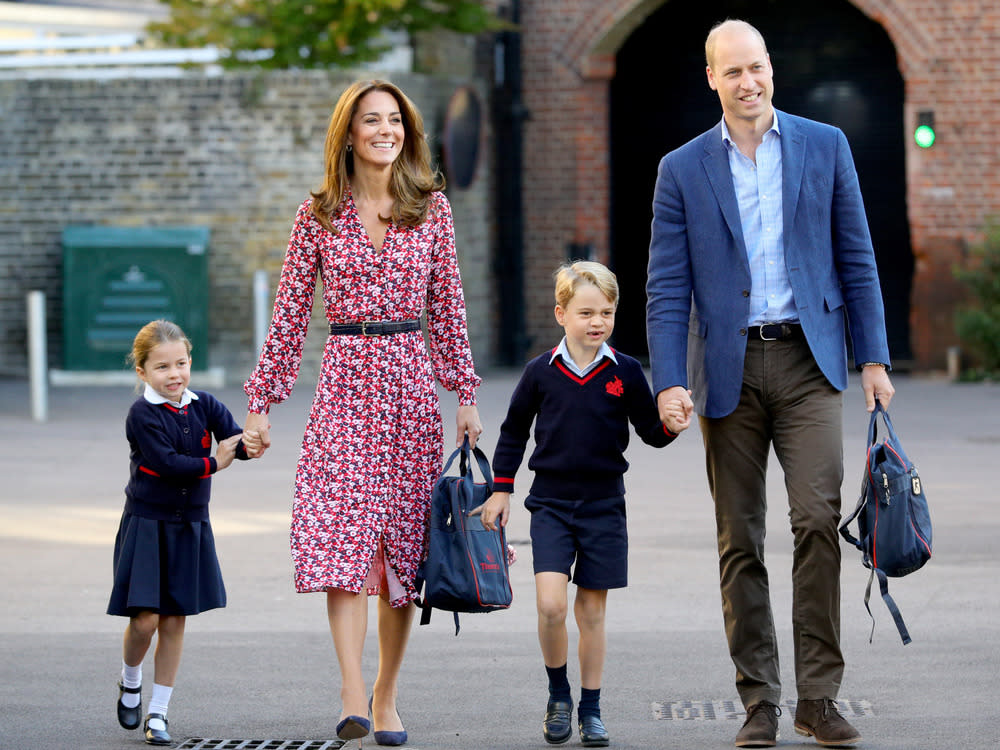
x=484 y=463
x=873 y=422
x=891 y=441
x=464 y=453
x=873 y=427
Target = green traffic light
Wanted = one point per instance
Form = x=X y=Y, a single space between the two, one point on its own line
x=924 y=136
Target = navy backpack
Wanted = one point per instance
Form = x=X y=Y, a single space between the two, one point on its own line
x=466 y=565
x=894 y=523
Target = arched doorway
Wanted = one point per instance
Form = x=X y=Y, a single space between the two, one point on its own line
x=831 y=63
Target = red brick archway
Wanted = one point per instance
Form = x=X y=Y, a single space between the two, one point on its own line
x=569 y=58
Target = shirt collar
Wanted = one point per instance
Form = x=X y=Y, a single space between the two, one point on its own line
x=563 y=351
x=155 y=398
x=727 y=139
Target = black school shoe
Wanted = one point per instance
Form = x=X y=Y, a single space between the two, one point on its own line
x=156 y=736
x=592 y=731
x=558 y=724
x=129 y=718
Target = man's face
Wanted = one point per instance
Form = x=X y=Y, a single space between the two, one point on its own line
x=741 y=74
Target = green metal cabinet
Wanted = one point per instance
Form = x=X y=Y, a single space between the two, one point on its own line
x=117 y=279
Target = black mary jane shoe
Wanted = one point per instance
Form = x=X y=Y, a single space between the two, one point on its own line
x=558 y=724
x=129 y=718
x=592 y=731
x=156 y=736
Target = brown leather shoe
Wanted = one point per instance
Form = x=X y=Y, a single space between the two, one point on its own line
x=820 y=719
x=761 y=727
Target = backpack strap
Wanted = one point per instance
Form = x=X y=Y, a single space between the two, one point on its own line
x=425 y=608
x=883 y=584
x=862 y=501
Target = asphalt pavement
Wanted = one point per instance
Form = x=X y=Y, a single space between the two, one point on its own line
x=262 y=671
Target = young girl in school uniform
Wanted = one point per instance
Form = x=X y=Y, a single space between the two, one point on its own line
x=165 y=565
x=581 y=397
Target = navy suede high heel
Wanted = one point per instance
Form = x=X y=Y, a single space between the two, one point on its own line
x=353 y=728
x=385 y=737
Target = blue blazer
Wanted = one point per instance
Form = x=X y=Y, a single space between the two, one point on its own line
x=698 y=301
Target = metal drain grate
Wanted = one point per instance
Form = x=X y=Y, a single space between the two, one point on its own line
x=715 y=710
x=197 y=743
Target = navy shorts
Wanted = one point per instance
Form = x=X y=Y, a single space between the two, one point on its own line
x=591 y=533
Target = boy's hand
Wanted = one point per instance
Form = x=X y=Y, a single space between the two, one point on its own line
x=677 y=418
x=497 y=508
x=675 y=408
x=253 y=443
x=226 y=451
x=667 y=400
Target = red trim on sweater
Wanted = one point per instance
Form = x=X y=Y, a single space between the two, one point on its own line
x=576 y=378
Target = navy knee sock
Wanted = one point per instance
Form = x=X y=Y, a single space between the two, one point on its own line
x=559 y=684
x=590 y=703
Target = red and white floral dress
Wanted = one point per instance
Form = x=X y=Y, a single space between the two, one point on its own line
x=373 y=443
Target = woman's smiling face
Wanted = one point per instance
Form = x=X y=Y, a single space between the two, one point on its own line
x=377 y=131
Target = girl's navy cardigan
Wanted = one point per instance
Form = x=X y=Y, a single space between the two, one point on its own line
x=581 y=427
x=171 y=460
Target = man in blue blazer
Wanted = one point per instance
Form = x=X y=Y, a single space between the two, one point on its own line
x=760 y=249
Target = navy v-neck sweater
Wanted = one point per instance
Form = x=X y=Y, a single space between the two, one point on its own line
x=581 y=427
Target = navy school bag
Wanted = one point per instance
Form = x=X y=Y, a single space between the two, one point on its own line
x=894 y=523
x=466 y=566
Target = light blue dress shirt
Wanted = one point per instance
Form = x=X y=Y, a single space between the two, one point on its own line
x=563 y=351
x=758 y=193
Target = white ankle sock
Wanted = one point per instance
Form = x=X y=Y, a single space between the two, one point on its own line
x=131 y=678
x=158 y=704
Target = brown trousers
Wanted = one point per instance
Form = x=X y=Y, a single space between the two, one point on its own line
x=788 y=403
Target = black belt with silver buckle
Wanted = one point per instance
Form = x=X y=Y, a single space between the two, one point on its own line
x=776 y=331
x=374 y=327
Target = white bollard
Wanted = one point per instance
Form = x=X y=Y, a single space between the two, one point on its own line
x=954 y=360
x=261 y=309
x=38 y=368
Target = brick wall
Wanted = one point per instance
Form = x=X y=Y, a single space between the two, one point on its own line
x=236 y=152
x=949 y=56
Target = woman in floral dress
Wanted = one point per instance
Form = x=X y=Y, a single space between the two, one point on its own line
x=380 y=235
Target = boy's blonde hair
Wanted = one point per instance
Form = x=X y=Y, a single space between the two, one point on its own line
x=570 y=276
x=150 y=336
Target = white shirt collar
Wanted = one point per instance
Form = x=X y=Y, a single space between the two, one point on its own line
x=155 y=398
x=563 y=351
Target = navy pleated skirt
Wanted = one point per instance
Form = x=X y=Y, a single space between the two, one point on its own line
x=166 y=567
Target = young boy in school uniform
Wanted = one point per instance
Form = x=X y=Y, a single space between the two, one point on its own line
x=581 y=397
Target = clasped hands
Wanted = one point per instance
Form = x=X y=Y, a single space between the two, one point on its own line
x=676 y=408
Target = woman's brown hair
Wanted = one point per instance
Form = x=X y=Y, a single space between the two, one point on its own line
x=412 y=179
